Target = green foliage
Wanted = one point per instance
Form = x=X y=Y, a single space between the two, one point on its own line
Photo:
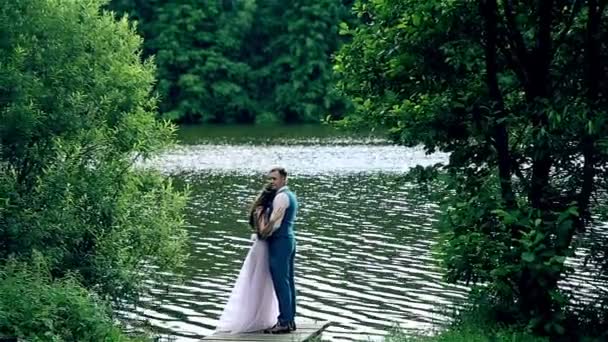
x=197 y=47
x=478 y=322
x=468 y=334
x=242 y=61
x=75 y=114
x=299 y=62
x=470 y=326
x=35 y=308
x=516 y=92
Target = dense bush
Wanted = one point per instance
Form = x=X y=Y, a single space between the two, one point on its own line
x=75 y=113
x=35 y=308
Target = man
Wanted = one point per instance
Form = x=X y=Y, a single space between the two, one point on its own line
x=279 y=232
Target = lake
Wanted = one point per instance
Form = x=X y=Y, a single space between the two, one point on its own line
x=365 y=259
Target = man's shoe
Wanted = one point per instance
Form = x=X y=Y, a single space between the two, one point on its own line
x=278 y=329
x=292 y=326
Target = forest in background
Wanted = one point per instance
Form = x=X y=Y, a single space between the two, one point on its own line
x=247 y=61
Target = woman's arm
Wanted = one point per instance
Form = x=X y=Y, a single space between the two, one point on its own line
x=279 y=205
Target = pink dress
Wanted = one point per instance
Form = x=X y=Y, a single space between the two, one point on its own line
x=252 y=305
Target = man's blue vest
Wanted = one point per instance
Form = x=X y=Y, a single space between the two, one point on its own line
x=287 y=225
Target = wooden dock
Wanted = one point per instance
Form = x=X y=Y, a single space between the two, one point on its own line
x=306 y=330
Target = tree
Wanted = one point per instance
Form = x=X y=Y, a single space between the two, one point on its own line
x=76 y=113
x=197 y=47
x=296 y=64
x=247 y=61
x=516 y=92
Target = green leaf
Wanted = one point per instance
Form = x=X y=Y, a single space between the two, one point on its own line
x=538 y=238
x=559 y=259
x=528 y=257
x=416 y=19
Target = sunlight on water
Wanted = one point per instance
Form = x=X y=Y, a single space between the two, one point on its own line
x=299 y=159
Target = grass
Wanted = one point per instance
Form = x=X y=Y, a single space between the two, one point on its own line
x=477 y=325
x=474 y=324
x=469 y=332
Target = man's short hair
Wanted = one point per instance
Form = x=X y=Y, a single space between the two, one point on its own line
x=281 y=171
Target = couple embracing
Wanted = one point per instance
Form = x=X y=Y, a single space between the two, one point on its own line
x=264 y=296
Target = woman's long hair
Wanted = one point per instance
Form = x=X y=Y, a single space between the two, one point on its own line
x=264 y=200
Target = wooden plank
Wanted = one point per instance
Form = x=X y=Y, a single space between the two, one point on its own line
x=261 y=336
x=306 y=330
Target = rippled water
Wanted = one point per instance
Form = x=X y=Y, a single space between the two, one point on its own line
x=364 y=256
x=364 y=244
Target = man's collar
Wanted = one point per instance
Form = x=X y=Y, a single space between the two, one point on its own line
x=283 y=188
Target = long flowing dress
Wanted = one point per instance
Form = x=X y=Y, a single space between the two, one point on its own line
x=252 y=305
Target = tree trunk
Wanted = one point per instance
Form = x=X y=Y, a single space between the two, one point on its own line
x=539 y=87
x=500 y=135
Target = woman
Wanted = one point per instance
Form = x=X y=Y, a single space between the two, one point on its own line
x=253 y=305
